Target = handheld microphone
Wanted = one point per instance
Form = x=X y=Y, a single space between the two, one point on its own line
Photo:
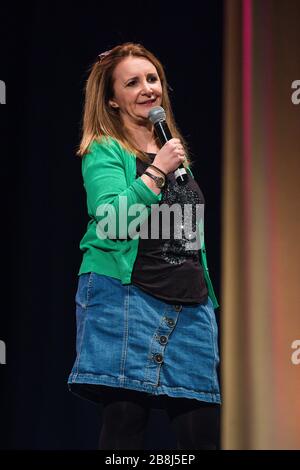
x=157 y=116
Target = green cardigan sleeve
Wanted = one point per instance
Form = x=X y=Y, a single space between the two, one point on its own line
x=106 y=176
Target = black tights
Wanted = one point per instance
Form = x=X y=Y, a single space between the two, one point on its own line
x=125 y=418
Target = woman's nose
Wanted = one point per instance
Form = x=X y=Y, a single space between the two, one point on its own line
x=147 y=88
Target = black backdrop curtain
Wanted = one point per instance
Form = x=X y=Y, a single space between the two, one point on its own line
x=46 y=48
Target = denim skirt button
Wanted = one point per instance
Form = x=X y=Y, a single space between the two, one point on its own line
x=158 y=358
x=163 y=339
x=177 y=308
x=170 y=322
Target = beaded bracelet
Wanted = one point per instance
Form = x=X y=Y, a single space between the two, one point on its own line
x=160 y=171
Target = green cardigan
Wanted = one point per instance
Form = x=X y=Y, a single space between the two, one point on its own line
x=109 y=172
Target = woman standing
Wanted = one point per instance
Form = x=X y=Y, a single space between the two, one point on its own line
x=146 y=327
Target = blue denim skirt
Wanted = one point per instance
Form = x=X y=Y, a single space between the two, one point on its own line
x=129 y=339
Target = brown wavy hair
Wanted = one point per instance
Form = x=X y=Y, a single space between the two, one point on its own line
x=100 y=119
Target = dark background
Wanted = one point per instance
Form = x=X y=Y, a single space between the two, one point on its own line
x=46 y=49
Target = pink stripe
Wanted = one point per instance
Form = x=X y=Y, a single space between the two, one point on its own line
x=247 y=179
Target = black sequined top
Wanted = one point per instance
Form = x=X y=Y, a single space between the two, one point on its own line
x=164 y=267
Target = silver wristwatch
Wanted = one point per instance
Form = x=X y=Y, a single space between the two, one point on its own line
x=159 y=180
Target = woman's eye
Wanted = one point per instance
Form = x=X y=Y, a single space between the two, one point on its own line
x=150 y=79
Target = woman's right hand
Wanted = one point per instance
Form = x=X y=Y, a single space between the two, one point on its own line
x=170 y=156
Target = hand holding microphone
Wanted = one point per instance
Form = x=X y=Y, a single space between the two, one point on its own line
x=171 y=155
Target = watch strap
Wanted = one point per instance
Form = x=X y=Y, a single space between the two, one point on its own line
x=155 y=178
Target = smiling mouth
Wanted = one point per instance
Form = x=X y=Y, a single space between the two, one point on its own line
x=149 y=101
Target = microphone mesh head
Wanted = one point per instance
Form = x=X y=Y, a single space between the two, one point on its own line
x=157 y=114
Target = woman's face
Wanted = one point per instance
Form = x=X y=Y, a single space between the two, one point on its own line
x=137 y=88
